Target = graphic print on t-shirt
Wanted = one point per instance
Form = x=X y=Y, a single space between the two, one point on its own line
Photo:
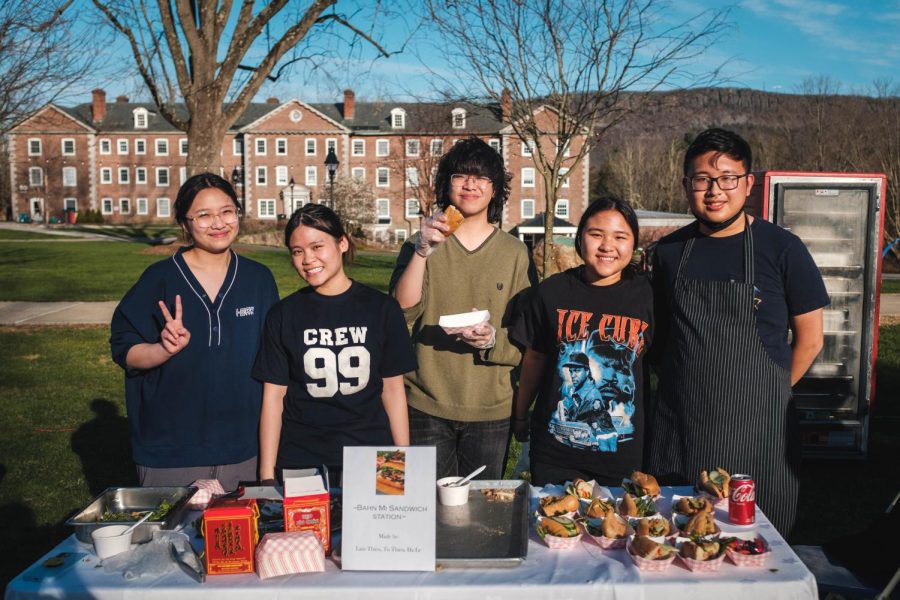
x=595 y=367
x=337 y=360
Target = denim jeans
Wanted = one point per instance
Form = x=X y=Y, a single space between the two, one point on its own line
x=462 y=446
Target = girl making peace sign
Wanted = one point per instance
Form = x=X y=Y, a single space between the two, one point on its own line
x=193 y=408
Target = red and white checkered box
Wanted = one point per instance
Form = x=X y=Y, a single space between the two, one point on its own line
x=288 y=553
x=207 y=489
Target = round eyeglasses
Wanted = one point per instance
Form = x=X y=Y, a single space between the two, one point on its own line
x=205 y=220
x=460 y=179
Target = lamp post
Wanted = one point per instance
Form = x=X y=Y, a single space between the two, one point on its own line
x=331 y=165
x=237 y=179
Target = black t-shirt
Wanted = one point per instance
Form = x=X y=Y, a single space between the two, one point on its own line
x=332 y=353
x=786 y=278
x=590 y=409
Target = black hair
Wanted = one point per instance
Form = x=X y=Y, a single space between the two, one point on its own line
x=319 y=216
x=720 y=141
x=610 y=203
x=195 y=185
x=472 y=156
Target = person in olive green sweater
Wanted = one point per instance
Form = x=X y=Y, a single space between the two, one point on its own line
x=460 y=398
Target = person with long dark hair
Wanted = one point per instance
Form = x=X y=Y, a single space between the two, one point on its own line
x=186 y=334
x=586 y=334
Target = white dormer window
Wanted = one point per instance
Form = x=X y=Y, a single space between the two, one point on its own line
x=140 y=118
x=398 y=118
x=458 y=118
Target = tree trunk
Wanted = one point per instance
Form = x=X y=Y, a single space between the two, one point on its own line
x=206 y=133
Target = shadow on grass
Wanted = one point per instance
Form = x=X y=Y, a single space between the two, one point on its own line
x=145 y=234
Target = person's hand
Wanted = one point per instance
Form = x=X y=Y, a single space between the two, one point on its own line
x=174 y=337
x=432 y=231
x=480 y=337
x=520 y=429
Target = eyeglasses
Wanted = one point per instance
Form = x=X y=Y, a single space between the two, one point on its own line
x=459 y=179
x=702 y=183
x=205 y=220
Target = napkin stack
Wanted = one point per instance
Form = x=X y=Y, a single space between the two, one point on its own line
x=288 y=553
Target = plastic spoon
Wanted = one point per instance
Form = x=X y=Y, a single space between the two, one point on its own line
x=144 y=518
x=465 y=479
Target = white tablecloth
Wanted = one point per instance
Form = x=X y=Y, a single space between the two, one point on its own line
x=580 y=573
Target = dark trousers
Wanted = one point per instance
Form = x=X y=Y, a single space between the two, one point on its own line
x=462 y=446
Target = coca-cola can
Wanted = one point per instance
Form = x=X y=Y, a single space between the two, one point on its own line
x=742 y=500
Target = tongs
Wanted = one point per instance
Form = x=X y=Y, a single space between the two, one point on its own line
x=189 y=562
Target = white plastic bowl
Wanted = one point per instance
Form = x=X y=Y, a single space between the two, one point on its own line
x=453 y=495
x=109 y=541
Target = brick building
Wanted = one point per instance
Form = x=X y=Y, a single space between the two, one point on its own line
x=126 y=161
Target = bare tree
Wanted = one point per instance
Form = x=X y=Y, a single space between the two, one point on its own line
x=354 y=202
x=198 y=50
x=574 y=57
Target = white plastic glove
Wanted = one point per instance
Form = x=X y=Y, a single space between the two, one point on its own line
x=480 y=337
x=432 y=231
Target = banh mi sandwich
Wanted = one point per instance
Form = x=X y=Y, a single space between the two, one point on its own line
x=454 y=218
x=655 y=527
x=646 y=548
x=553 y=506
x=641 y=484
x=390 y=478
x=716 y=483
x=692 y=506
x=613 y=528
x=600 y=508
x=701 y=524
x=701 y=549
x=558 y=526
x=580 y=488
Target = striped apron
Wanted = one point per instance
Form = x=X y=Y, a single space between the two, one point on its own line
x=723 y=402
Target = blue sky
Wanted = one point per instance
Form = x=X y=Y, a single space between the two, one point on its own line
x=770 y=45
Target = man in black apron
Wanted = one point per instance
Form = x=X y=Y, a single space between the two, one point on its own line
x=728 y=288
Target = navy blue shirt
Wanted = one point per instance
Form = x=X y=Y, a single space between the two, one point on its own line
x=200 y=407
x=786 y=278
x=332 y=353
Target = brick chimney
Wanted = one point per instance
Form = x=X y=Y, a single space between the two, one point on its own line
x=122 y=99
x=349 y=104
x=98 y=105
x=272 y=100
x=505 y=105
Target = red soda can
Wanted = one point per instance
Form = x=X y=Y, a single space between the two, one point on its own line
x=742 y=500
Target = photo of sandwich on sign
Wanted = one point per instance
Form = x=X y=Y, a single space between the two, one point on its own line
x=390 y=472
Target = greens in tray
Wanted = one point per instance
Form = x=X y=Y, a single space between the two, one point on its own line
x=110 y=516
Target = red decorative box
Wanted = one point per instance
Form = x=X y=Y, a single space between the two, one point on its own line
x=229 y=529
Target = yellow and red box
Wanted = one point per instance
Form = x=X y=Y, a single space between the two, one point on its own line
x=306 y=508
x=231 y=535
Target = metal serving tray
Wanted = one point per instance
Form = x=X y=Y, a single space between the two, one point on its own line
x=484 y=533
x=132 y=499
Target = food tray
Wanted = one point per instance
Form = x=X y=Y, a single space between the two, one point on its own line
x=484 y=533
x=120 y=499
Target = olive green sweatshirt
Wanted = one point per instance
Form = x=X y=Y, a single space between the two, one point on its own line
x=454 y=380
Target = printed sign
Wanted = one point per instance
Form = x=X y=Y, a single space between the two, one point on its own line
x=389 y=509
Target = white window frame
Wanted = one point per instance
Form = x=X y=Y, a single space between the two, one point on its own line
x=562 y=203
x=142 y=206
x=40 y=146
x=310 y=146
x=362 y=147
x=183 y=147
x=398 y=118
x=382 y=171
x=262 y=176
x=495 y=144
x=281 y=175
x=137 y=146
x=437 y=147
x=331 y=144
x=124 y=206
x=412 y=177
x=127 y=172
x=400 y=235
x=266 y=209
x=358 y=173
x=528 y=173
x=527 y=149
x=237 y=146
x=160 y=171
x=382 y=147
x=312 y=175
x=458 y=118
x=106 y=175
x=383 y=211
x=62 y=146
x=105 y=145
x=182 y=175
x=70 y=204
x=564 y=177
x=106 y=206
x=35 y=181
x=281 y=146
x=122 y=147
x=163 y=203
x=413 y=147
x=139 y=113
x=260 y=146
x=161 y=143
x=140 y=175
x=409 y=203
x=527 y=214
x=73 y=173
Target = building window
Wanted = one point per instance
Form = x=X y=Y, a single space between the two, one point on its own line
x=162 y=147
x=412 y=147
x=125 y=206
x=140 y=146
x=398 y=118
x=458 y=118
x=437 y=147
x=106 y=175
x=281 y=175
x=311 y=176
x=382 y=177
x=495 y=144
x=412 y=208
x=183 y=147
x=266 y=209
x=358 y=173
x=562 y=208
x=106 y=206
x=330 y=144
x=527 y=208
x=124 y=175
x=260 y=146
x=140 y=175
x=105 y=146
x=383 y=211
x=182 y=174
x=400 y=235
x=281 y=146
x=564 y=176
x=70 y=204
x=237 y=146
x=68 y=147
x=34 y=147
x=310 y=146
x=140 y=118
x=162 y=176
x=382 y=147
x=412 y=176
x=69 y=176
x=261 y=176
x=528 y=177
x=527 y=148
x=36 y=177
x=121 y=147
x=142 y=207
x=565 y=147
x=359 y=147
x=163 y=207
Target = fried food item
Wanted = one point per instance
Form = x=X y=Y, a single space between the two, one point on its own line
x=716 y=482
x=692 y=506
x=642 y=484
x=628 y=507
x=655 y=527
x=454 y=218
x=701 y=524
x=613 y=528
x=580 y=489
x=600 y=508
x=646 y=548
x=701 y=549
x=553 y=506
x=499 y=494
x=558 y=526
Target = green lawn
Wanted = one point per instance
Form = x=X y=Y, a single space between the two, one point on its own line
x=890 y=286
x=13 y=234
